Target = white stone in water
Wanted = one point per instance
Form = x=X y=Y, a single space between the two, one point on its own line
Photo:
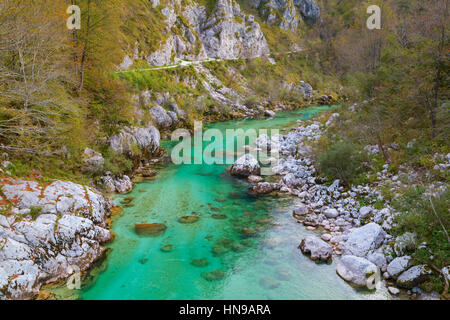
x=319 y=249
x=245 y=166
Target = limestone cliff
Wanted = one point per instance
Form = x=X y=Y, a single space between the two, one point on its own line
x=195 y=32
x=287 y=14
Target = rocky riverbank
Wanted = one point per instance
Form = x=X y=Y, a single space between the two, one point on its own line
x=50 y=232
x=357 y=235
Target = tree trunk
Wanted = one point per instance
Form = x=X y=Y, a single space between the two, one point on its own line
x=382 y=149
x=85 y=48
x=437 y=84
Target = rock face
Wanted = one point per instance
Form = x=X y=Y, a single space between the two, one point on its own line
x=309 y=10
x=355 y=270
x=228 y=33
x=245 y=166
x=363 y=240
x=63 y=226
x=163 y=119
x=146 y=139
x=413 y=277
x=287 y=14
x=198 y=33
x=319 y=249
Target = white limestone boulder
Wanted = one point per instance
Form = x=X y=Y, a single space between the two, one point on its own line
x=356 y=270
x=363 y=240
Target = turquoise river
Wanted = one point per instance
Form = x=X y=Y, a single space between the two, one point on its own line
x=266 y=266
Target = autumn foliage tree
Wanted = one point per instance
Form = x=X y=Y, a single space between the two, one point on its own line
x=34 y=75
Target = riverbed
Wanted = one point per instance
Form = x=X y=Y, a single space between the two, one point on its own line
x=178 y=263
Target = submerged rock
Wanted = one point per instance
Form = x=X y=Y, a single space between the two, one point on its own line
x=215 y=275
x=150 y=229
x=219 y=216
x=167 y=248
x=247 y=232
x=269 y=283
x=188 y=219
x=127 y=200
x=199 y=262
x=318 y=249
x=245 y=166
x=235 y=247
x=283 y=273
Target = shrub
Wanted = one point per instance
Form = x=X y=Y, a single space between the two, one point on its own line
x=251 y=102
x=117 y=163
x=35 y=212
x=340 y=161
x=419 y=217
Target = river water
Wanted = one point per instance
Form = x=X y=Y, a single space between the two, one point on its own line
x=266 y=266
